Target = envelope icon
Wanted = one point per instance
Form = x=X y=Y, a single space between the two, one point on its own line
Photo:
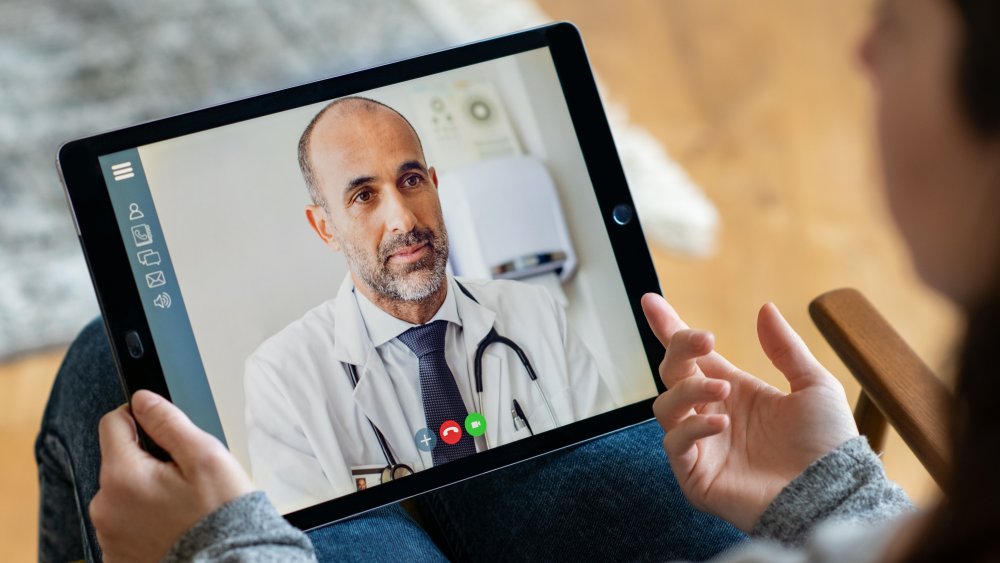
x=155 y=279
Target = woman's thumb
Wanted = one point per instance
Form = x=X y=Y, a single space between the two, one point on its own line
x=786 y=350
x=169 y=427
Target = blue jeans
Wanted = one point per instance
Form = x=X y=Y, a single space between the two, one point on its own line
x=613 y=498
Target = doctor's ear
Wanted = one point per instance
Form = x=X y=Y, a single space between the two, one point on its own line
x=319 y=220
x=434 y=175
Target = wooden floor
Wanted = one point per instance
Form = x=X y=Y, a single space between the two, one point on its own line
x=764 y=104
x=24 y=388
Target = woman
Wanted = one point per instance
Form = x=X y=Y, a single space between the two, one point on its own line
x=935 y=65
x=789 y=467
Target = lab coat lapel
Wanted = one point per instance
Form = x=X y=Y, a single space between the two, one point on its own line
x=374 y=393
x=376 y=396
x=477 y=321
x=350 y=337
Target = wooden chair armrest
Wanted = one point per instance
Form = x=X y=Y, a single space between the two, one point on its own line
x=892 y=376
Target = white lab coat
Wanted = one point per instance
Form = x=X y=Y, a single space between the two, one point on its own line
x=308 y=426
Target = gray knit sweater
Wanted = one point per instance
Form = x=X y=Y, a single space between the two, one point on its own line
x=846 y=491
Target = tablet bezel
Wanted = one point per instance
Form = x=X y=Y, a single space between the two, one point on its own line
x=119 y=298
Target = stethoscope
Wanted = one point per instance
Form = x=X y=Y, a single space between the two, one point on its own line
x=393 y=469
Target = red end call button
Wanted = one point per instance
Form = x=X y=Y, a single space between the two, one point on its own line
x=451 y=432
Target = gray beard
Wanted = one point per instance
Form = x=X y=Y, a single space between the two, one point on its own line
x=417 y=282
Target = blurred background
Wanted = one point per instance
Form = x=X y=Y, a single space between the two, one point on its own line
x=744 y=128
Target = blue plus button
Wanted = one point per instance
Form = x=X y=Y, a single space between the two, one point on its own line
x=425 y=440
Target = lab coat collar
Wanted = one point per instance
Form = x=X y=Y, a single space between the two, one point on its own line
x=350 y=342
x=477 y=320
x=383 y=327
x=353 y=345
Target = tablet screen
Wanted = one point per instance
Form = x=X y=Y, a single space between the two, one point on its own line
x=356 y=290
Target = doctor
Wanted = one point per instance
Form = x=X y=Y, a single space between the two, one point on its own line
x=346 y=396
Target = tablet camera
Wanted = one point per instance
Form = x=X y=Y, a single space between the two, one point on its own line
x=622 y=214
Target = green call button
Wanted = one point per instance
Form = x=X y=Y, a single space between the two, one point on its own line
x=475 y=424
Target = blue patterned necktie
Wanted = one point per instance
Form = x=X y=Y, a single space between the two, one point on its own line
x=441 y=398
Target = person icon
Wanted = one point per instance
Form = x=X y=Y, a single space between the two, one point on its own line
x=134 y=213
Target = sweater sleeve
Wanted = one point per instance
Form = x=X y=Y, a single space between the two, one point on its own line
x=245 y=530
x=848 y=484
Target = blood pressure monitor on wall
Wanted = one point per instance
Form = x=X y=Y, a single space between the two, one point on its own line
x=381 y=283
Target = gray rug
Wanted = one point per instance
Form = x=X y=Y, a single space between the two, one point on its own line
x=70 y=69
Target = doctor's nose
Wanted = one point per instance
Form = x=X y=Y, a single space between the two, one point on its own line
x=398 y=215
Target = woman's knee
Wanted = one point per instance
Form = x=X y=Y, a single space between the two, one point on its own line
x=86 y=385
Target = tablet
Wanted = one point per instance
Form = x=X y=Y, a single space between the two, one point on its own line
x=379 y=284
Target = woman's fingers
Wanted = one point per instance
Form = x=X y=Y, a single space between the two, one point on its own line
x=681 y=358
x=786 y=349
x=665 y=323
x=681 y=443
x=676 y=404
x=662 y=318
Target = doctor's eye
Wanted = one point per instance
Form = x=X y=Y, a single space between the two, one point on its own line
x=364 y=196
x=412 y=181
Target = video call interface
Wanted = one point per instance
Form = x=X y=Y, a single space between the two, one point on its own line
x=354 y=291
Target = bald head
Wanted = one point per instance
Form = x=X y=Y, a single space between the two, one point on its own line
x=349 y=117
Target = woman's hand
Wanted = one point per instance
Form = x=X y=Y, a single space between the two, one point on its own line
x=734 y=441
x=144 y=505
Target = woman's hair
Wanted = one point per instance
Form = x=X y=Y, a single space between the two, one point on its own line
x=966 y=526
x=978 y=71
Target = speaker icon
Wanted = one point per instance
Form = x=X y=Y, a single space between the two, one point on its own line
x=163 y=300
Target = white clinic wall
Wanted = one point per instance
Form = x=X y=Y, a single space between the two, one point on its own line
x=231 y=205
x=599 y=307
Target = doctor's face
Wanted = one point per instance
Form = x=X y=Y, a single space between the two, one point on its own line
x=382 y=208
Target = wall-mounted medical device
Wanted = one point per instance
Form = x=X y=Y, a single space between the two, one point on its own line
x=505 y=221
x=463 y=121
